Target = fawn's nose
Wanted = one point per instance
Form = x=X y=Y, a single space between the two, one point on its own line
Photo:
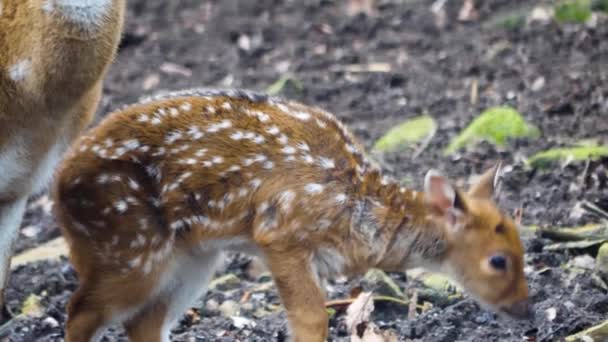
x=522 y=309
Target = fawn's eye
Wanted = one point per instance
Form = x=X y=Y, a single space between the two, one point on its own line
x=498 y=262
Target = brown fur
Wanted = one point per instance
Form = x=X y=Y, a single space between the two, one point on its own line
x=150 y=196
x=51 y=71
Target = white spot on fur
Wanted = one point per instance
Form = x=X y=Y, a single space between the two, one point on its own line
x=226 y=106
x=186 y=106
x=195 y=132
x=121 y=206
x=302 y=116
x=216 y=127
x=313 y=188
x=285 y=199
x=140 y=241
x=217 y=160
x=131 y=144
x=341 y=198
x=255 y=183
x=173 y=137
x=263 y=117
x=273 y=130
x=268 y=165
x=308 y=159
x=303 y=146
x=242 y=192
x=320 y=123
x=136 y=262
x=326 y=163
x=283 y=139
x=20 y=70
x=259 y=139
x=238 y=135
x=288 y=150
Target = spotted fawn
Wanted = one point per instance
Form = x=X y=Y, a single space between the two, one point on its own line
x=53 y=56
x=151 y=198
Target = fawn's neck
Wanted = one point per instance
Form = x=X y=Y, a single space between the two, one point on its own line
x=396 y=227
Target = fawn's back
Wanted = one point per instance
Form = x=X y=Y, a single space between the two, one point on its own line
x=237 y=164
x=151 y=198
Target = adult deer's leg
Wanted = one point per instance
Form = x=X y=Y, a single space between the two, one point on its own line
x=11 y=215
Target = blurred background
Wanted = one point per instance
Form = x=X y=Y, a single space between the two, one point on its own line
x=447 y=84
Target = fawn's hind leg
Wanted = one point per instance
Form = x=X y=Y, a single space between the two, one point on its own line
x=85 y=322
x=183 y=281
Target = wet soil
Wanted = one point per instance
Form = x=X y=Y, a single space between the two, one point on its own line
x=554 y=74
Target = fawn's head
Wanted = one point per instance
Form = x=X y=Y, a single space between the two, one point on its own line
x=483 y=250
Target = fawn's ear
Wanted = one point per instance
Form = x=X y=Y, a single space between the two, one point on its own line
x=486 y=184
x=443 y=197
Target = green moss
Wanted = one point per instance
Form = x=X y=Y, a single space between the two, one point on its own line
x=407 y=133
x=285 y=84
x=512 y=21
x=600 y=5
x=546 y=158
x=495 y=125
x=573 y=11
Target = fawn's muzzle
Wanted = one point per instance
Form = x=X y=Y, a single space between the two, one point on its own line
x=522 y=309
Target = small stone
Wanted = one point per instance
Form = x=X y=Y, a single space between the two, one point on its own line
x=242 y=322
x=50 y=322
x=247 y=307
x=541 y=14
x=538 y=84
x=30 y=231
x=261 y=312
x=483 y=318
x=583 y=261
x=550 y=314
x=229 y=308
x=212 y=305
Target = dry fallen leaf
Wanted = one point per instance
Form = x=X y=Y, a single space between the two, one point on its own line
x=373 y=334
x=151 y=81
x=357 y=321
x=356 y=7
x=467 y=11
x=172 y=68
x=359 y=311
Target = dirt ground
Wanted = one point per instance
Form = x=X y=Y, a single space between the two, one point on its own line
x=555 y=75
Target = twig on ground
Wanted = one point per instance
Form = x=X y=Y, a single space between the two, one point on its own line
x=411 y=312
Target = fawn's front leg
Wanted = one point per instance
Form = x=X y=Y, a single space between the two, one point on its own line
x=11 y=214
x=301 y=295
